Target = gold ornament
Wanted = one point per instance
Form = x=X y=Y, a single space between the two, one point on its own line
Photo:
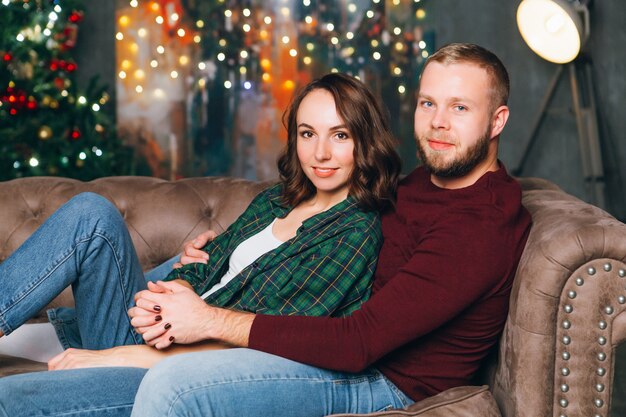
x=45 y=132
x=99 y=128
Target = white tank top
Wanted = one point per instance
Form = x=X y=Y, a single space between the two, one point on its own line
x=245 y=253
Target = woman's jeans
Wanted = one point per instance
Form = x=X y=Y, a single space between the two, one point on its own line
x=226 y=383
x=84 y=244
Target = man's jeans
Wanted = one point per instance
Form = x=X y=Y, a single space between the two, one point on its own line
x=84 y=244
x=233 y=382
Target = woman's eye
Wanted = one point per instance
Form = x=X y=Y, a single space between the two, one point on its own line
x=306 y=134
x=426 y=103
x=342 y=135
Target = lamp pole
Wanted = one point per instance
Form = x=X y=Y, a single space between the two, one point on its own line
x=555 y=30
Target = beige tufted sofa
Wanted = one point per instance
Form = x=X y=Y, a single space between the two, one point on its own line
x=558 y=353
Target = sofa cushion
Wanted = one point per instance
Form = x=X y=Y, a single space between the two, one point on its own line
x=455 y=402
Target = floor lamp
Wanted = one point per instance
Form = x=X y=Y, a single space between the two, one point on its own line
x=556 y=30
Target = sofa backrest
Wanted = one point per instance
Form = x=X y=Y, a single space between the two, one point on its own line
x=161 y=215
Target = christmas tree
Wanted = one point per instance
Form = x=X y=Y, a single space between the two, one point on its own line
x=48 y=126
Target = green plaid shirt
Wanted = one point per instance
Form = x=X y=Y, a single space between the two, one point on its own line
x=325 y=270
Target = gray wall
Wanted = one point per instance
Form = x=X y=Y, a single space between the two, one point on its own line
x=555 y=154
x=491 y=23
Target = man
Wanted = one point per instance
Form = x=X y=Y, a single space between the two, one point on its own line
x=440 y=294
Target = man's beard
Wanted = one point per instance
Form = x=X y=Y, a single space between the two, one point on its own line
x=459 y=167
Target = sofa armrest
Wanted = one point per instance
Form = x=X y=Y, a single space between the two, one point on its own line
x=567 y=311
x=456 y=402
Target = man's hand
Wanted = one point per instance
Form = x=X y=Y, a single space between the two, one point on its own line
x=193 y=252
x=174 y=313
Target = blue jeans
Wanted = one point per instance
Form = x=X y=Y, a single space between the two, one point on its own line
x=247 y=383
x=84 y=244
x=241 y=382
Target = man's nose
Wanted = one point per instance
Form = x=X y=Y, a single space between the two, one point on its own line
x=440 y=119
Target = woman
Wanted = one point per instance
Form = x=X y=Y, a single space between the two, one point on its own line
x=305 y=246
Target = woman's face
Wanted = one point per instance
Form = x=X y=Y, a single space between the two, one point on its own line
x=325 y=146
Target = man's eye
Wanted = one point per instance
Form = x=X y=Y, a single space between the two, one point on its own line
x=426 y=103
x=460 y=108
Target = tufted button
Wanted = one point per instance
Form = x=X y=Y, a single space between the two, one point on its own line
x=602 y=340
x=566 y=324
x=591 y=270
x=565 y=356
x=602 y=324
x=564 y=387
x=601 y=356
x=622 y=273
x=621 y=299
x=598 y=402
x=565 y=371
x=571 y=294
x=608 y=310
x=568 y=308
x=563 y=402
x=599 y=387
x=566 y=340
x=607 y=267
x=601 y=371
x=580 y=281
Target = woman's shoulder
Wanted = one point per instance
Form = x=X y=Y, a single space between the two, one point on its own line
x=363 y=221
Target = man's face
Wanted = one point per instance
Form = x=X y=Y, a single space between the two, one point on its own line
x=453 y=119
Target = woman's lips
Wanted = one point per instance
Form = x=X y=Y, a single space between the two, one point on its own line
x=324 y=172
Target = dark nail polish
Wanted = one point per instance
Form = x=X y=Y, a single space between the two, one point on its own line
x=167 y=326
x=171 y=338
x=156 y=308
x=158 y=318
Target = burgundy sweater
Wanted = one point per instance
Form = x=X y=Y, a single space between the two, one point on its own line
x=440 y=295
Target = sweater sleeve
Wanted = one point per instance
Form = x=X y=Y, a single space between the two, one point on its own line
x=458 y=261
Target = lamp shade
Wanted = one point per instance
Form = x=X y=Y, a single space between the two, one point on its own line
x=551 y=28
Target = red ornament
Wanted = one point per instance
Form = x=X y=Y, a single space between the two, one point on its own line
x=75 y=135
x=70 y=67
x=32 y=104
x=76 y=17
x=7 y=57
x=54 y=65
x=59 y=83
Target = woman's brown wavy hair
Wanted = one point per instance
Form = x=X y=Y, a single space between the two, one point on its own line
x=376 y=168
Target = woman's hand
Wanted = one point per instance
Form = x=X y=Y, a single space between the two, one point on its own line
x=193 y=252
x=168 y=312
x=132 y=355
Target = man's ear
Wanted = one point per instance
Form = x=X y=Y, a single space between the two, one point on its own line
x=498 y=121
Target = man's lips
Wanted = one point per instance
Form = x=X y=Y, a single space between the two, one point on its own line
x=438 y=145
x=322 y=172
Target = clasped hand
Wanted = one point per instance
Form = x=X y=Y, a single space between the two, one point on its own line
x=169 y=312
